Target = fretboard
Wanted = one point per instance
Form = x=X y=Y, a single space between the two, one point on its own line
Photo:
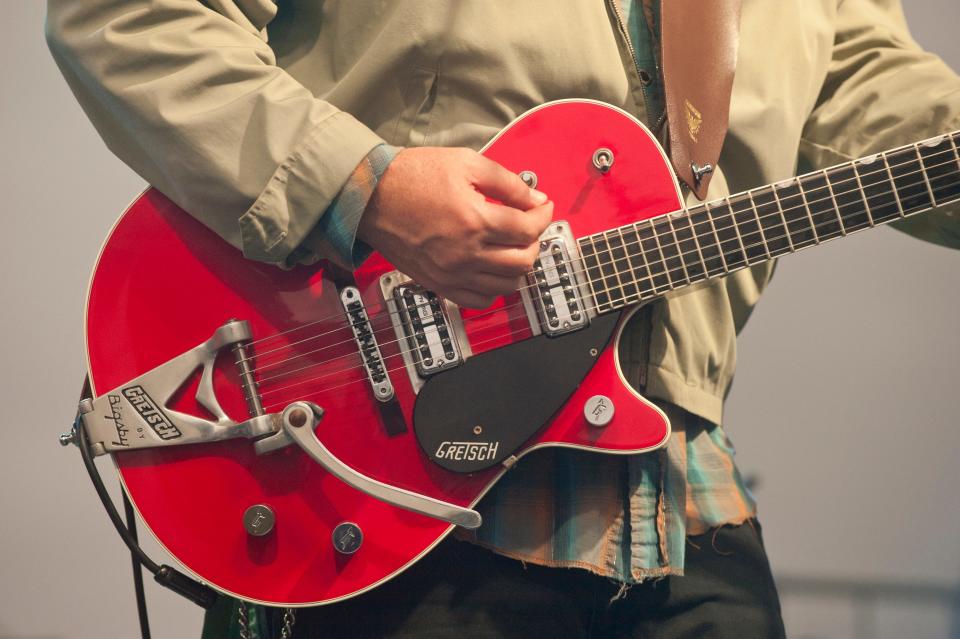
x=650 y=258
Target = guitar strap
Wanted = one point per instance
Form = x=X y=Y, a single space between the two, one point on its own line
x=699 y=42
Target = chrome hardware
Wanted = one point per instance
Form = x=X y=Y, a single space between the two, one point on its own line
x=554 y=297
x=529 y=178
x=258 y=520
x=347 y=538
x=242 y=359
x=416 y=312
x=68 y=438
x=603 y=159
x=135 y=415
x=428 y=332
x=700 y=171
x=598 y=410
x=299 y=420
x=364 y=336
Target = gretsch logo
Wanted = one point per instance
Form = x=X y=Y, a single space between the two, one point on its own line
x=467 y=451
x=151 y=413
x=116 y=416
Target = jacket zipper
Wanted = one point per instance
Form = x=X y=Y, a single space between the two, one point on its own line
x=622 y=25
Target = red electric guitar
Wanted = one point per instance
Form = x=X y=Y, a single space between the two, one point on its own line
x=299 y=437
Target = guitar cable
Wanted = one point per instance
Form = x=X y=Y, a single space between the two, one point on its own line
x=165 y=575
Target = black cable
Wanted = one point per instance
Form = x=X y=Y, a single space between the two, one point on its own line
x=122 y=530
x=165 y=575
x=137 y=570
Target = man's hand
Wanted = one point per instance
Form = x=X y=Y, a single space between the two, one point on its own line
x=429 y=216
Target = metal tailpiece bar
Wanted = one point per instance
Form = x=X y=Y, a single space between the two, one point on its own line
x=299 y=420
x=135 y=415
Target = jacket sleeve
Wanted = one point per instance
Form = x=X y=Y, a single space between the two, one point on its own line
x=882 y=91
x=189 y=95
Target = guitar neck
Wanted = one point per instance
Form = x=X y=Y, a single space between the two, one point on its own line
x=648 y=259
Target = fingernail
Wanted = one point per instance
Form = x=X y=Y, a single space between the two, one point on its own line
x=538 y=197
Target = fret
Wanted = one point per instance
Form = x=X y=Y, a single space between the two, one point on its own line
x=756 y=216
x=630 y=289
x=843 y=212
x=786 y=229
x=716 y=234
x=772 y=226
x=878 y=190
x=696 y=243
x=893 y=188
x=923 y=172
x=836 y=205
x=645 y=280
x=663 y=256
x=652 y=257
x=639 y=278
x=806 y=208
x=591 y=265
x=943 y=175
x=679 y=249
x=748 y=230
x=953 y=143
x=611 y=278
x=734 y=253
x=795 y=213
x=905 y=166
x=689 y=250
x=708 y=241
x=820 y=206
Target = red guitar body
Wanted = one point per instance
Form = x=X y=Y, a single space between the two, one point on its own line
x=164 y=282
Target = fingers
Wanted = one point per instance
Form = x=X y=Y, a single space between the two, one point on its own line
x=508 y=261
x=498 y=183
x=513 y=227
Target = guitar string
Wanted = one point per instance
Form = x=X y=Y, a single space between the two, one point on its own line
x=624 y=297
x=650 y=278
x=667 y=227
x=625 y=300
x=662 y=221
x=887 y=168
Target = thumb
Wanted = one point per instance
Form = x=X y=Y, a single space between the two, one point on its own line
x=496 y=182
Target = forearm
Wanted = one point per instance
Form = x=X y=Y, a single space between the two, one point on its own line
x=192 y=99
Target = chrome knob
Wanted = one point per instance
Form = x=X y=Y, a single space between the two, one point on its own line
x=347 y=538
x=598 y=410
x=258 y=520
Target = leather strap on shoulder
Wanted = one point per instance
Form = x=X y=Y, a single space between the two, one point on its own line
x=699 y=43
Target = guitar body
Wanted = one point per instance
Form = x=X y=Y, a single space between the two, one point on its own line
x=163 y=283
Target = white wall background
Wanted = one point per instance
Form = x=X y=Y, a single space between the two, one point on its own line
x=845 y=408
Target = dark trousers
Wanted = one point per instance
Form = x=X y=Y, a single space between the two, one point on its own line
x=465 y=592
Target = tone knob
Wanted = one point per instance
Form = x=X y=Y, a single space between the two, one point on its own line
x=598 y=410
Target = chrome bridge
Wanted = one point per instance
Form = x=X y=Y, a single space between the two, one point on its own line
x=367 y=343
x=554 y=296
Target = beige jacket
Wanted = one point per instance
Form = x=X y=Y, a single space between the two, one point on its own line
x=255 y=137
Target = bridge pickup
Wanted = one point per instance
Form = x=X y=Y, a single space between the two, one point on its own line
x=367 y=344
x=427 y=328
x=554 y=289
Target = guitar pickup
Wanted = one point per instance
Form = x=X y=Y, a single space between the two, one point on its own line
x=366 y=341
x=427 y=328
x=554 y=289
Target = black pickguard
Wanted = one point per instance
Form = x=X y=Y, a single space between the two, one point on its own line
x=509 y=393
